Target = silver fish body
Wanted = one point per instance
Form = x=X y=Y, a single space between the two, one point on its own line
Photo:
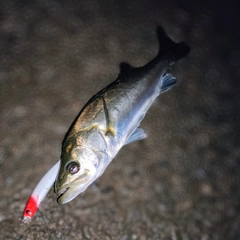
x=111 y=120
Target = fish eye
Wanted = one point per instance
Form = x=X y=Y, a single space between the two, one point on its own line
x=73 y=167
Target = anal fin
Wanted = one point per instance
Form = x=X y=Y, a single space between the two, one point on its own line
x=167 y=82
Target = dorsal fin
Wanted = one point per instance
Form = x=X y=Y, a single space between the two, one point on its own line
x=125 y=68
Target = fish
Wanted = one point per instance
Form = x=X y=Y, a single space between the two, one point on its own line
x=111 y=119
x=107 y=122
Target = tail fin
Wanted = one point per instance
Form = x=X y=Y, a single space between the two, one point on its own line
x=168 y=47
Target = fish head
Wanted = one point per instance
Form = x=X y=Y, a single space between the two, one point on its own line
x=78 y=169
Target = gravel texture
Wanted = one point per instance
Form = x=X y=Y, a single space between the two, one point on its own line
x=182 y=182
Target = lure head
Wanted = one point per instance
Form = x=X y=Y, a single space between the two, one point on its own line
x=79 y=168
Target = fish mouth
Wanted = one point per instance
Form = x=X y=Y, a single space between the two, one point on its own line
x=67 y=192
x=61 y=193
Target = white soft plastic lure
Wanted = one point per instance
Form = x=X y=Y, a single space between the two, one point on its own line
x=40 y=192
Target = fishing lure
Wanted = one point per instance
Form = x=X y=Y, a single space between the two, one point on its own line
x=39 y=193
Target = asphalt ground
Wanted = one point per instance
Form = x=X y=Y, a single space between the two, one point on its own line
x=182 y=182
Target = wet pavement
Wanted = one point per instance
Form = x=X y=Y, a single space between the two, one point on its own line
x=182 y=182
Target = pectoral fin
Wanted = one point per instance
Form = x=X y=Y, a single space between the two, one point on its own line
x=138 y=134
x=109 y=120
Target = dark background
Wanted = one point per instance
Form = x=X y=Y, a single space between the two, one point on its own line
x=182 y=182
